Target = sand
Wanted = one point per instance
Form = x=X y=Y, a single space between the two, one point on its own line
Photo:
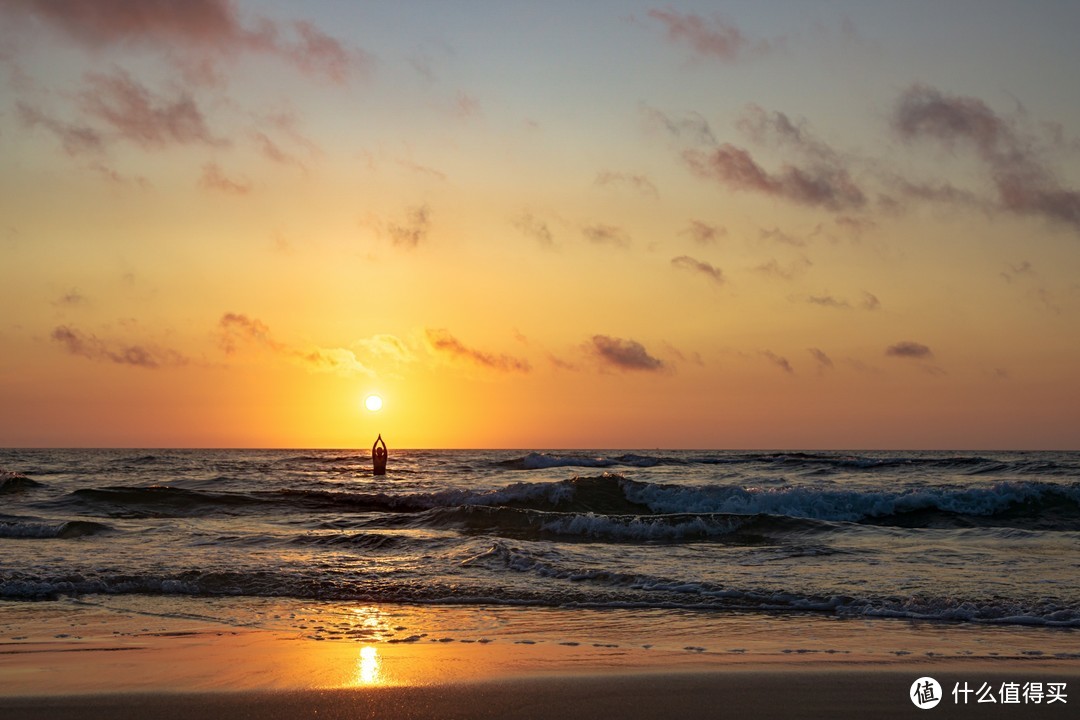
x=61 y=661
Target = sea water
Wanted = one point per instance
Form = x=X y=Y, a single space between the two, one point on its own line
x=981 y=539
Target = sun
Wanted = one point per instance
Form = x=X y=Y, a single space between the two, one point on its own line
x=373 y=403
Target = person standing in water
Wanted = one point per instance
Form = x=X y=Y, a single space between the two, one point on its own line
x=378 y=456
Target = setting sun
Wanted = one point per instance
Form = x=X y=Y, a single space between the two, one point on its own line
x=373 y=403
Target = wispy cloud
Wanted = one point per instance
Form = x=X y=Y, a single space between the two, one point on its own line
x=909 y=349
x=1024 y=184
x=214 y=178
x=72 y=298
x=779 y=361
x=704 y=233
x=828 y=301
x=822 y=359
x=638 y=183
x=136 y=114
x=236 y=330
x=87 y=345
x=466 y=105
x=780 y=237
x=1016 y=271
x=691 y=131
x=716 y=38
x=201 y=31
x=685 y=262
x=827 y=186
x=443 y=342
x=624 y=354
x=601 y=234
x=772 y=267
x=414 y=229
x=868 y=302
x=535 y=228
x=74 y=138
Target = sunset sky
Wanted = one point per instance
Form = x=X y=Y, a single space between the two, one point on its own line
x=781 y=224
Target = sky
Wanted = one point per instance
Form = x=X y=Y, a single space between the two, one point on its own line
x=765 y=225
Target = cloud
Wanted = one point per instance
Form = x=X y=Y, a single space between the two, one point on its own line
x=716 y=38
x=607 y=235
x=686 y=262
x=201 y=30
x=779 y=236
x=136 y=114
x=909 y=349
x=827 y=186
x=389 y=348
x=75 y=139
x=90 y=346
x=772 y=267
x=213 y=178
x=828 y=301
x=535 y=228
x=272 y=151
x=823 y=360
x=870 y=301
x=638 y=183
x=415 y=228
x=72 y=298
x=624 y=354
x=778 y=360
x=317 y=53
x=855 y=225
x=693 y=130
x=1024 y=185
x=703 y=233
x=466 y=105
x=442 y=341
x=235 y=330
x=775 y=129
x=1015 y=271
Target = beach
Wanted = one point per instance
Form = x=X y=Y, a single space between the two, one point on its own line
x=171 y=659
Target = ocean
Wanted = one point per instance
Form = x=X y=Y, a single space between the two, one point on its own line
x=981 y=539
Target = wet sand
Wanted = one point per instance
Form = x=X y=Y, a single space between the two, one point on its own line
x=777 y=693
x=61 y=661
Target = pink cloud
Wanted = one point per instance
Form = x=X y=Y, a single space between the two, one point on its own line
x=826 y=186
x=715 y=38
x=199 y=27
x=75 y=139
x=1024 y=184
x=138 y=115
x=214 y=178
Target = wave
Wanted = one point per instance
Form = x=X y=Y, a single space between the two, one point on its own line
x=806 y=462
x=44 y=530
x=1014 y=504
x=1038 y=505
x=527 y=524
x=546 y=585
x=13 y=482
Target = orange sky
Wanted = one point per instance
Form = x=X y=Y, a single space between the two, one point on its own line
x=713 y=225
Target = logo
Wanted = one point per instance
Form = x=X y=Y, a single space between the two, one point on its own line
x=925 y=693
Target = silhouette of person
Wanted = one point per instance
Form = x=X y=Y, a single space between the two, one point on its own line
x=378 y=456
